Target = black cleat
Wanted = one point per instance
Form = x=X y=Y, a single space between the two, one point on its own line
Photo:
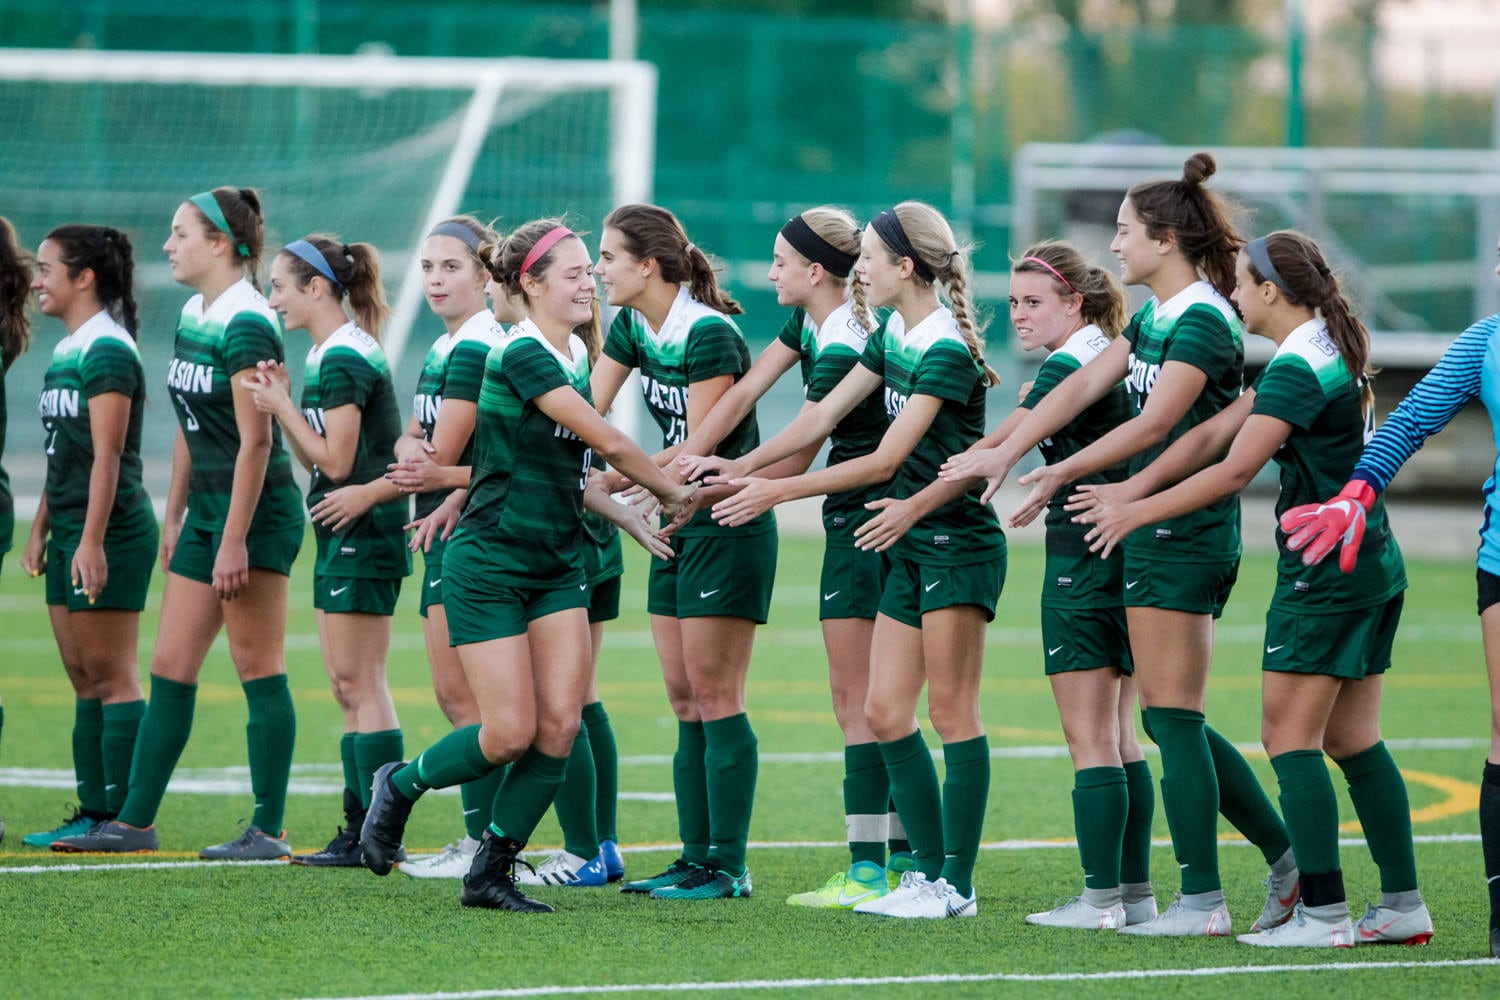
x=491 y=882
x=342 y=852
x=385 y=821
x=1495 y=943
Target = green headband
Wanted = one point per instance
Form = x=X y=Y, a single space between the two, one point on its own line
x=209 y=206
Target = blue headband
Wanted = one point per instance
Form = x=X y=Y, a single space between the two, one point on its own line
x=458 y=231
x=315 y=259
x=1260 y=259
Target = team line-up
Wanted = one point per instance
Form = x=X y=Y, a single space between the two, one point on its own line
x=1146 y=428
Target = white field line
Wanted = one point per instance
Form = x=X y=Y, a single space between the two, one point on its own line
x=933 y=980
x=755 y=845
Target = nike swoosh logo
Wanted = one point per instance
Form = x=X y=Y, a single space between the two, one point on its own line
x=108 y=787
x=1370 y=934
x=1049 y=653
x=708 y=593
x=583 y=586
x=829 y=597
x=78 y=591
x=1272 y=649
x=434 y=583
x=929 y=587
x=1131 y=584
x=335 y=593
x=470 y=812
x=845 y=900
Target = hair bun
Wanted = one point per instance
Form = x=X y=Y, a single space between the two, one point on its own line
x=1198 y=168
x=251 y=198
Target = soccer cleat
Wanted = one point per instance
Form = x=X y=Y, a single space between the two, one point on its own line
x=1281 y=898
x=1308 y=927
x=910 y=882
x=1081 y=915
x=897 y=865
x=1139 y=911
x=933 y=901
x=1383 y=925
x=109 y=837
x=252 y=845
x=342 y=852
x=676 y=872
x=562 y=868
x=614 y=861
x=707 y=883
x=385 y=821
x=75 y=825
x=1181 y=921
x=491 y=882
x=1495 y=943
x=452 y=861
x=846 y=890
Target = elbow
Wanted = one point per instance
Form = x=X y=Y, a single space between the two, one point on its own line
x=338 y=471
x=884 y=469
x=613 y=447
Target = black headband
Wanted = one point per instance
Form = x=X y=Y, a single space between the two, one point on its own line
x=888 y=228
x=1260 y=259
x=815 y=248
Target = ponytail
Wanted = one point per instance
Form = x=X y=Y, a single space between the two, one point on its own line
x=246 y=232
x=1202 y=222
x=106 y=252
x=650 y=232
x=1104 y=302
x=349 y=269
x=514 y=256
x=15 y=286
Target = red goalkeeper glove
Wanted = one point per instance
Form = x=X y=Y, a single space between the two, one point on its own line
x=1315 y=528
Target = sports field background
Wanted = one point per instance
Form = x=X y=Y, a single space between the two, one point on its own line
x=167 y=926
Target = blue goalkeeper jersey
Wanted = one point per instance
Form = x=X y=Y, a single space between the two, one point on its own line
x=1470 y=367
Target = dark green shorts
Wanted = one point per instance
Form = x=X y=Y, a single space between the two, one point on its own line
x=1197 y=588
x=852 y=582
x=1085 y=639
x=1350 y=644
x=432 y=575
x=482 y=608
x=604 y=600
x=351 y=595
x=713 y=575
x=198 y=547
x=125 y=590
x=913 y=589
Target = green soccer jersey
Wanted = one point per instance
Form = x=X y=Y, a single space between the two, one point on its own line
x=350 y=369
x=1104 y=415
x=603 y=556
x=1198 y=327
x=695 y=344
x=453 y=369
x=97 y=358
x=7 y=502
x=828 y=352
x=932 y=359
x=525 y=504
x=1308 y=385
x=238 y=331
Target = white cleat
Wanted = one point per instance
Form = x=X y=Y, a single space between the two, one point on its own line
x=1181 y=921
x=935 y=901
x=452 y=861
x=912 y=882
x=1281 y=899
x=560 y=868
x=1081 y=915
x=1383 y=925
x=1309 y=927
x=1138 y=911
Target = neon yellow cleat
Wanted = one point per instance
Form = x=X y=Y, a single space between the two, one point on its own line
x=864 y=881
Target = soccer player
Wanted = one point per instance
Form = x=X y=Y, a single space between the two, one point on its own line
x=343 y=435
x=1468 y=369
x=102 y=529
x=233 y=526
x=15 y=335
x=1328 y=635
x=1182 y=359
x=945 y=573
x=811 y=260
x=516 y=588
x=674 y=326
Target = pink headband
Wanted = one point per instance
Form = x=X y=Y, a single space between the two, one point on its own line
x=1055 y=273
x=547 y=242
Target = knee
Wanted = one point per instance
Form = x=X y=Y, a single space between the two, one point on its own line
x=953 y=721
x=457 y=706
x=555 y=734
x=502 y=744
x=887 y=721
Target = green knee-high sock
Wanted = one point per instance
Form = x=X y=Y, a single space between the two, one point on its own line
x=164 y=732
x=576 y=799
x=895 y=830
x=606 y=769
x=351 y=768
x=372 y=750
x=1190 y=795
x=867 y=795
x=271 y=734
x=529 y=788
x=478 y=797
x=732 y=761
x=690 y=786
x=1101 y=803
x=122 y=724
x=88 y=762
x=1135 y=850
x=1379 y=795
x=452 y=760
x=966 y=792
x=1244 y=802
x=914 y=789
x=1312 y=811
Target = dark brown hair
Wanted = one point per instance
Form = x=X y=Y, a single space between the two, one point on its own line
x=241 y=208
x=357 y=268
x=1202 y=222
x=107 y=253
x=15 y=285
x=650 y=233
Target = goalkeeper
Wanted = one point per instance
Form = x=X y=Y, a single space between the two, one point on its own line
x=1469 y=368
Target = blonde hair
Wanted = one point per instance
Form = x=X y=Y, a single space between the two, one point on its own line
x=836 y=227
x=1104 y=302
